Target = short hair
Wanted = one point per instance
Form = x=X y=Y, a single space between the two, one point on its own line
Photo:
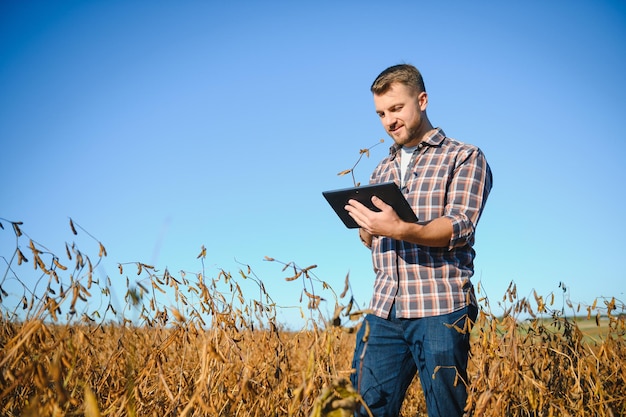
x=404 y=73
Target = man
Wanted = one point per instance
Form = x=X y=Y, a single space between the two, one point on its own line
x=422 y=292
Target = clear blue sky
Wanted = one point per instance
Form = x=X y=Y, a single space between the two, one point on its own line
x=164 y=126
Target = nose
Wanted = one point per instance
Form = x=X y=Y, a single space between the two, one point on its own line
x=389 y=121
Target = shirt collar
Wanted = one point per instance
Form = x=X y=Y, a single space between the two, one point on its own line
x=435 y=138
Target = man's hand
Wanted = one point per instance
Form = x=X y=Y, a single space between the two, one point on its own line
x=382 y=223
x=435 y=233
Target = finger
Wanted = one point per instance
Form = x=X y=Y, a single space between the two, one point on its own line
x=379 y=203
x=358 y=219
x=356 y=204
x=357 y=214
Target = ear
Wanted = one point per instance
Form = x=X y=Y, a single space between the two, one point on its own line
x=422 y=100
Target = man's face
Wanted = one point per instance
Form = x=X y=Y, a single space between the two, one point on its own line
x=402 y=112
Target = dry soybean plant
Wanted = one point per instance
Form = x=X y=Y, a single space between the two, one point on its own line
x=545 y=364
x=362 y=152
x=69 y=348
x=193 y=345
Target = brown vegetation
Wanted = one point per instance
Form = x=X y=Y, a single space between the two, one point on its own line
x=214 y=350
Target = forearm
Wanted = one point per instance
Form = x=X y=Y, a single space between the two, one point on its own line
x=436 y=233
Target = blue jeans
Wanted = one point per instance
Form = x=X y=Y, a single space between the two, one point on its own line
x=398 y=348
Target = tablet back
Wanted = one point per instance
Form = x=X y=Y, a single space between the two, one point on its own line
x=388 y=192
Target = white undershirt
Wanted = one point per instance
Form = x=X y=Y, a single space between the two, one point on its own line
x=405 y=158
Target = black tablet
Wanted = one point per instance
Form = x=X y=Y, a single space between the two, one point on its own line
x=388 y=192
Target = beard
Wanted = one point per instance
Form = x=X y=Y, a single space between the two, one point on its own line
x=406 y=136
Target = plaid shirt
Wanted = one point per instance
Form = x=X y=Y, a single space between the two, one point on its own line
x=444 y=178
